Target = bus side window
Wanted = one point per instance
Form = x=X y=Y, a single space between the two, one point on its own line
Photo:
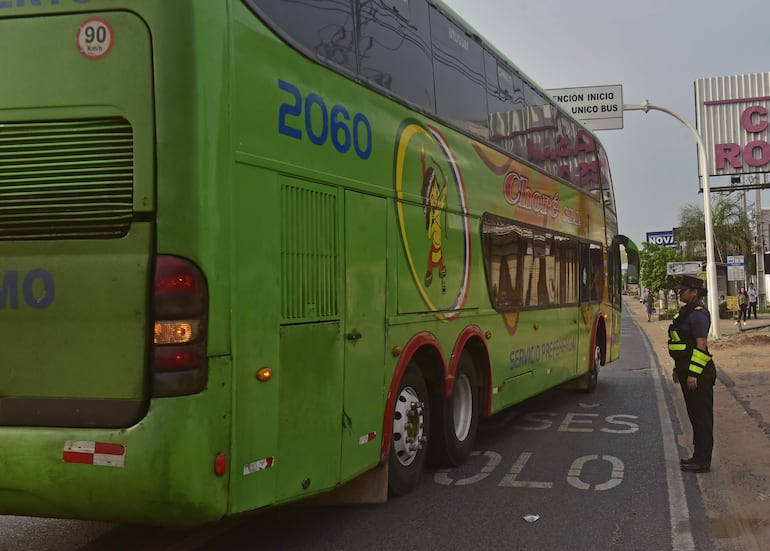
x=568 y=269
x=324 y=28
x=529 y=268
x=608 y=195
x=585 y=273
x=591 y=272
x=597 y=272
x=504 y=250
x=548 y=272
x=394 y=51
x=506 y=116
x=459 y=74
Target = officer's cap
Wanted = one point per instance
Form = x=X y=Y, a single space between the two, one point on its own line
x=689 y=282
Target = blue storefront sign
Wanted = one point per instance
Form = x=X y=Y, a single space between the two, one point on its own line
x=661 y=238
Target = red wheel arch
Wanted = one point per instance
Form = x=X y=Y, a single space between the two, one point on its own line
x=418 y=342
x=599 y=318
x=471 y=332
x=415 y=343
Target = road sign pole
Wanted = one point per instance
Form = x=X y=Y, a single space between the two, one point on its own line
x=711 y=267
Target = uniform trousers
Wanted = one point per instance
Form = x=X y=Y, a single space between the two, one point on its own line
x=700 y=410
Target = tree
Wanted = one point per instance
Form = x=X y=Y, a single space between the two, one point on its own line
x=653 y=259
x=731 y=230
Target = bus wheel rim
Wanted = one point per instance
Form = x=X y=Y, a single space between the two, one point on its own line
x=597 y=363
x=462 y=407
x=408 y=426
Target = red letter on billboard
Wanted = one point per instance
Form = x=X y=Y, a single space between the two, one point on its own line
x=746 y=123
x=727 y=152
x=764 y=153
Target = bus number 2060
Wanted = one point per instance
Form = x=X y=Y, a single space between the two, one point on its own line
x=334 y=123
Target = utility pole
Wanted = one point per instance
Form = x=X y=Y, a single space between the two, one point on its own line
x=711 y=267
x=760 y=247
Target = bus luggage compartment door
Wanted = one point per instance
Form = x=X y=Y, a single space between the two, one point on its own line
x=309 y=418
x=364 y=329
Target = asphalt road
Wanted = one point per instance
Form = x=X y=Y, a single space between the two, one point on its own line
x=562 y=471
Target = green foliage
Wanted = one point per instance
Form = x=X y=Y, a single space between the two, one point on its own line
x=653 y=259
x=731 y=230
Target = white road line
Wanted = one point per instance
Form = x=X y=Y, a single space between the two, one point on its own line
x=681 y=540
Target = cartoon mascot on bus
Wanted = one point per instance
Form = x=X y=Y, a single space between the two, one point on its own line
x=428 y=185
x=433 y=204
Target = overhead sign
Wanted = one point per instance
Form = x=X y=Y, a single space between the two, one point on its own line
x=598 y=107
x=661 y=238
x=683 y=268
x=732 y=115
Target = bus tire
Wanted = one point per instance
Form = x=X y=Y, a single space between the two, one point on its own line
x=591 y=379
x=456 y=419
x=411 y=428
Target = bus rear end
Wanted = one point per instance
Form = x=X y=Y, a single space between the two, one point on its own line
x=105 y=402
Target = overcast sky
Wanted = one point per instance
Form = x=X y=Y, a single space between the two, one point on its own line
x=656 y=50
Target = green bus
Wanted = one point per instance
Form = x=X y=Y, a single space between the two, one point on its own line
x=253 y=251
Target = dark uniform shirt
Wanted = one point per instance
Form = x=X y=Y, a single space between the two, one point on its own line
x=693 y=323
x=698 y=323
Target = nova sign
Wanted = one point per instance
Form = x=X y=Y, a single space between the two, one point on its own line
x=661 y=238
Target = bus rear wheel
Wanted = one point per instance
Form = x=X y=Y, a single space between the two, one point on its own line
x=455 y=420
x=411 y=427
x=591 y=379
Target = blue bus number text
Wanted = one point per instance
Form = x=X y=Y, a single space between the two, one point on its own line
x=37 y=289
x=334 y=123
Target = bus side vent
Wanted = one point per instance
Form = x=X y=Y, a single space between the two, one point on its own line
x=70 y=179
x=309 y=253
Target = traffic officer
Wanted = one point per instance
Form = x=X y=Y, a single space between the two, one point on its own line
x=694 y=370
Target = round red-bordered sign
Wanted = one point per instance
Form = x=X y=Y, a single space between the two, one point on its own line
x=94 y=38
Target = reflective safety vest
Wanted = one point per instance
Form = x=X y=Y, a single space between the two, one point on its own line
x=689 y=360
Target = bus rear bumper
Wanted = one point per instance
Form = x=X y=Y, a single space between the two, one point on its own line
x=160 y=471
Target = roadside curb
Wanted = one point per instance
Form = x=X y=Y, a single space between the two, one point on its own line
x=724 y=378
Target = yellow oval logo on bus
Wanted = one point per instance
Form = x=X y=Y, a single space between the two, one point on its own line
x=429 y=186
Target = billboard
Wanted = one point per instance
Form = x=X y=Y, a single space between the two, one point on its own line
x=732 y=117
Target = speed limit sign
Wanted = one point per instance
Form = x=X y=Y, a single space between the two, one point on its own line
x=94 y=38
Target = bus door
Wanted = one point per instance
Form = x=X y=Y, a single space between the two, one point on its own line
x=363 y=331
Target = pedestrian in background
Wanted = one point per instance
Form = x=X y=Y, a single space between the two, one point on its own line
x=752 y=294
x=743 y=304
x=724 y=313
x=694 y=370
x=649 y=303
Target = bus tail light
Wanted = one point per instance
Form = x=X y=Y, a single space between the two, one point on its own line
x=180 y=315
